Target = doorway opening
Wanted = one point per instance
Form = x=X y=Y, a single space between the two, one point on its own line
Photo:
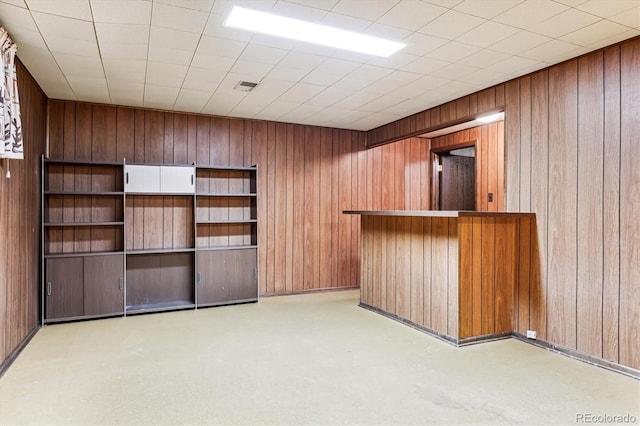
x=454 y=180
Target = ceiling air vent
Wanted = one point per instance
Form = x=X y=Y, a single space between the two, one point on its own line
x=245 y=86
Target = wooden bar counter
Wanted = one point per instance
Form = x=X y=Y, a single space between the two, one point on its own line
x=453 y=274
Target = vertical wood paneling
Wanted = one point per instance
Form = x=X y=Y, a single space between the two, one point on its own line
x=417 y=283
x=124 y=134
x=312 y=148
x=453 y=294
x=259 y=157
x=271 y=206
x=299 y=196
x=512 y=145
x=611 y=201
x=523 y=289
x=629 y=327
x=563 y=124
x=403 y=267
x=590 y=204
x=465 y=271
x=289 y=230
x=439 y=273
x=325 y=200
x=153 y=137
x=280 y=210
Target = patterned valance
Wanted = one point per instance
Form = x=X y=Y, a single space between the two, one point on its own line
x=10 y=125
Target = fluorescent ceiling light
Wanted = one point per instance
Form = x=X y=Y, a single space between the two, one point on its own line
x=280 y=26
x=490 y=118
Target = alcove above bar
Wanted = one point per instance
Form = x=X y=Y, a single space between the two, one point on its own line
x=453 y=274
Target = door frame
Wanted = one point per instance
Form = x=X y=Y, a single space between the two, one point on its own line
x=434 y=154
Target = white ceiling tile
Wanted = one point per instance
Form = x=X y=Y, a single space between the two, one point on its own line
x=520 y=42
x=337 y=67
x=454 y=51
x=202 y=79
x=72 y=46
x=564 y=23
x=370 y=72
x=126 y=92
x=629 y=18
x=482 y=76
x=530 y=13
x=248 y=107
x=281 y=72
x=549 y=50
x=357 y=100
x=370 y=10
x=230 y=81
x=302 y=61
x=486 y=9
x=273 y=88
x=125 y=69
x=122 y=11
x=162 y=74
x=395 y=61
x=328 y=97
x=64 y=27
x=223 y=101
x=315 y=49
x=345 y=22
x=451 y=25
x=388 y=32
x=594 y=33
x=272 y=41
x=78 y=9
x=178 y=18
x=615 y=39
x=173 y=39
x=573 y=3
x=160 y=97
x=301 y=92
x=301 y=112
x=191 y=100
x=298 y=11
x=122 y=33
x=568 y=55
x=225 y=6
x=79 y=66
x=27 y=39
x=212 y=62
x=398 y=79
x=215 y=46
x=123 y=51
x=515 y=64
x=320 y=78
x=64 y=93
x=425 y=65
x=169 y=55
x=411 y=15
x=454 y=71
x=201 y=5
x=421 y=44
x=487 y=34
x=428 y=82
x=14 y=17
x=352 y=83
x=90 y=89
x=484 y=58
x=609 y=8
x=277 y=108
x=317 y=4
x=449 y=4
x=19 y=3
x=256 y=70
x=263 y=54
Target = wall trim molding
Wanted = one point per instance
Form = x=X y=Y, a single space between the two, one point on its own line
x=14 y=354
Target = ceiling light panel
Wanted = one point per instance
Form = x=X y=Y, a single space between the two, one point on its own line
x=280 y=26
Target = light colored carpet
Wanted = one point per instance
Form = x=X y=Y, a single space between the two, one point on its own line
x=306 y=359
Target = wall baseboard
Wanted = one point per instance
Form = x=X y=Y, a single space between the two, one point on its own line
x=311 y=290
x=561 y=350
x=14 y=354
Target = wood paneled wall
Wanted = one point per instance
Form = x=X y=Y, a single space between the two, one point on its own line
x=571 y=144
x=20 y=222
x=307 y=177
x=489 y=140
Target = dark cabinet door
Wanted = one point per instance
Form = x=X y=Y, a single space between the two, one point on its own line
x=241 y=274
x=227 y=275
x=212 y=281
x=103 y=285
x=64 y=288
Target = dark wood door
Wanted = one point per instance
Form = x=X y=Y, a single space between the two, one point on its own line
x=242 y=274
x=64 y=288
x=457 y=182
x=103 y=285
x=212 y=277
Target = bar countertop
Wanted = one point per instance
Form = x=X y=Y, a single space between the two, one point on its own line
x=433 y=213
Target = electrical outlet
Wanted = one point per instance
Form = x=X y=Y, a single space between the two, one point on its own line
x=531 y=334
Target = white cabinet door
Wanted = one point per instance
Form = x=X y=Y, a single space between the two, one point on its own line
x=177 y=180
x=141 y=178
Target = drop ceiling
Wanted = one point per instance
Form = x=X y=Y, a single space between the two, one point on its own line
x=177 y=54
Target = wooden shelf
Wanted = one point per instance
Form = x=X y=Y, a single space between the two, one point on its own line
x=160 y=251
x=158 y=194
x=65 y=224
x=92 y=193
x=163 y=306
x=225 y=222
x=228 y=168
x=226 y=248
x=220 y=194
x=81 y=254
x=83 y=162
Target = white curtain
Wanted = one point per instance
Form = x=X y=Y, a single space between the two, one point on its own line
x=10 y=125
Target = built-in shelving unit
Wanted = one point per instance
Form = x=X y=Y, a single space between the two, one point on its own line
x=122 y=238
